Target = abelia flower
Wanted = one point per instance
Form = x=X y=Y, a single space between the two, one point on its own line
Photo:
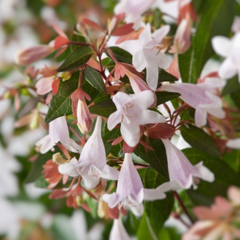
x=181 y=172
x=58 y=132
x=118 y=232
x=147 y=53
x=130 y=192
x=92 y=162
x=228 y=48
x=131 y=113
x=217 y=222
x=201 y=97
x=133 y=10
x=233 y=143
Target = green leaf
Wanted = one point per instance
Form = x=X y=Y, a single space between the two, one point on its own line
x=164 y=76
x=200 y=140
x=235 y=96
x=61 y=103
x=104 y=108
x=233 y=159
x=95 y=79
x=224 y=177
x=37 y=167
x=157 y=159
x=231 y=86
x=41 y=182
x=163 y=97
x=157 y=211
x=143 y=231
x=121 y=55
x=215 y=19
x=76 y=59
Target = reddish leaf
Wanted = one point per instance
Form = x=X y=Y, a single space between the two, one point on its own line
x=60 y=41
x=55 y=86
x=161 y=131
x=92 y=24
x=123 y=30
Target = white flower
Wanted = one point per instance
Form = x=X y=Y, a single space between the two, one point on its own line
x=133 y=10
x=130 y=191
x=181 y=171
x=58 y=132
x=118 y=232
x=132 y=112
x=147 y=53
x=234 y=143
x=92 y=163
x=201 y=97
x=230 y=49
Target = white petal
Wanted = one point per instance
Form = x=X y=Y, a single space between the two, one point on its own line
x=221 y=45
x=144 y=99
x=131 y=46
x=130 y=133
x=150 y=117
x=204 y=173
x=114 y=119
x=200 y=117
x=109 y=173
x=112 y=199
x=152 y=76
x=159 y=34
x=234 y=143
x=139 y=61
x=70 y=169
x=227 y=69
x=118 y=231
x=46 y=144
x=137 y=209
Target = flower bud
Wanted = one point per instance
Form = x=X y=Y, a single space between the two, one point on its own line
x=84 y=120
x=33 y=54
x=182 y=40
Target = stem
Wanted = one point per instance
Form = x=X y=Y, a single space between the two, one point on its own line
x=80 y=43
x=183 y=207
x=176 y=216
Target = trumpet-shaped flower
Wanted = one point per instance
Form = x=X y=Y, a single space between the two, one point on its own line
x=130 y=192
x=58 y=132
x=228 y=48
x=234 y=143
x=201 y=97
x=133 y=10
x=147 y=53
x=118 y=231
x=181 y=171
x=132 y=112
x=92 y=162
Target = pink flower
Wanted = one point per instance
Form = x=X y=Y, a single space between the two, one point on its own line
x=58 y=132
x=131 y=113
x=202 y=97
x=118 y=232
x=228 y=48
x=147 y=53
x=181 y=171
x=92 y=162
x=217 y=222
x=130 y=192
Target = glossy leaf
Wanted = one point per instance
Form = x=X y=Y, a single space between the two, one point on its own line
x=163 y=97
x=164 y=76
x=200 y=140
x=76 y=59
x=231 y=86
x=95 y=79
x=215 y=19
x=235 y=96
x=104 y=108
x=157 y=159
x=224 y=177
x=60 y=104
x=121 y=55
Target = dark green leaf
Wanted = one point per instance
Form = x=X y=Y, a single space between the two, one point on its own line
x=41 y=182
x=157 y=211
x=101 y=97
x=103 y=109
x=37 y=167
x=157 y=159
x=164 y=76
x=233 y=159
x=76 y=59
x=121 y=55
x=61 y=103
x=224 y=177
x=235 y=96
x=95 y=79
x=143 y=231
x=200 y=140
x=163 y=97
x=216 y=19
x=231 y=86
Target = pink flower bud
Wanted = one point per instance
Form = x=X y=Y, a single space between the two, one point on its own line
x=84 y=120
x=33 y=54
x=182 y=40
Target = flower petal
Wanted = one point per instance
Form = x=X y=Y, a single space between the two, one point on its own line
x=118 y=232
x=221 y=45
x=70 y=169
x=234 y=143
x=227 y=69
